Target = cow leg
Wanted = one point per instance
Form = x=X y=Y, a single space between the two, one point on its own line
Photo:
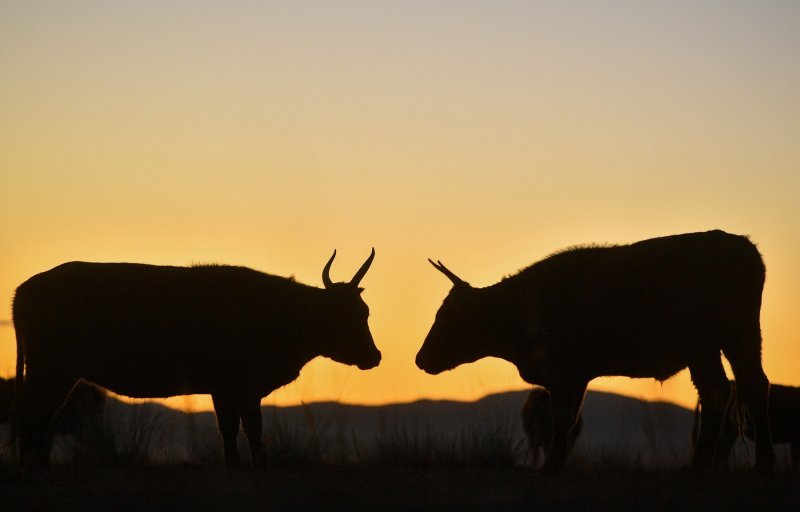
x=227 y=413
x=716 y=430
x=752 y=390
x=537 y=421
x=575 y=432
x=566 y=401
x=40 y=397
x=251 y=422
x=795 y=452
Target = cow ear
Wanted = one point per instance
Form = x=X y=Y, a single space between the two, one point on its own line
x=360 y=290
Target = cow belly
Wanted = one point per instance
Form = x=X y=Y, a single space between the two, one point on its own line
x=661 y=370
x=142 y=366
x=653 y=359
x=147 y=380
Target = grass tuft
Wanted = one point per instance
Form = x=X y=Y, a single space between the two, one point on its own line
x=122 y=437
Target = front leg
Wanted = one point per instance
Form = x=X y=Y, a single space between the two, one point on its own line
x=566 y=400
x=227 y=413
x=251 y=423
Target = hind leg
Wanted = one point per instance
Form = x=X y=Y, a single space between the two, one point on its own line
x=251 y=423
x=752 y=389
x=716 y=431
x=39 y=398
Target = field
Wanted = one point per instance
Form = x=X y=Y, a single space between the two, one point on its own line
x=421 y=456
x=383 y=488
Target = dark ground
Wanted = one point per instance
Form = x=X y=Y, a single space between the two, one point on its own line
x=193 y=488
x=442 y=456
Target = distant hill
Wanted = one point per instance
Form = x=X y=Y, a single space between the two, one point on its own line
x=618 y=430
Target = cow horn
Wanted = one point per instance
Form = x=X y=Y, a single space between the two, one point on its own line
x=363 y=270
x=446 y=271
x=326 y=272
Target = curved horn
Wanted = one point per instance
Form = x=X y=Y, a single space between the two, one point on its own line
x=326 y=272
x=363 y=270
x=450 y=275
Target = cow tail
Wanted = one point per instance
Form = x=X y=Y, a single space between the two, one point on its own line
x=734 y=411
x=739 y=414
x=20 y=377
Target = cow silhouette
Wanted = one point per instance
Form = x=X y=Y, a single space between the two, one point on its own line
x=648 y=309
x=156 y=331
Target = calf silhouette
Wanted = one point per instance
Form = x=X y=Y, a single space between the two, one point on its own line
x=537 y=421
x=83 y=404
x=647 y=309
x=157 y=331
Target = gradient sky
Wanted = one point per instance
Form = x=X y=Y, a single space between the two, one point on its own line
x=485 y=134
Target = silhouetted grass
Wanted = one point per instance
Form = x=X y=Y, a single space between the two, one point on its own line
x=290 y=444
x=133 y=457
x=472 y=445
x=8 y=451
x=149 y=434
x=123 y=436
x=135 y=434
x=616 y=459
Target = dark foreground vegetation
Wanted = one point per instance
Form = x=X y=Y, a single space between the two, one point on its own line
x=365 y=487
x=420 y=456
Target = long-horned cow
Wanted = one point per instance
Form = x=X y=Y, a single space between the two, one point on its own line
x=156 y=331
x=647 y=309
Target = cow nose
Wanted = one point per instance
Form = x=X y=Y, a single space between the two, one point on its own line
x=428 y=366
x=372 y=362
x=419 y=361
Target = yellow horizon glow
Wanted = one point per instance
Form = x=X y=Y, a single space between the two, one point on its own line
x=486 y=136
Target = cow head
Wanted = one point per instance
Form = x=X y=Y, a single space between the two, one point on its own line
x=345 y=320
x=460 y=333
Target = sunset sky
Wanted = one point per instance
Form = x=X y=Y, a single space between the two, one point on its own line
x=485 y=134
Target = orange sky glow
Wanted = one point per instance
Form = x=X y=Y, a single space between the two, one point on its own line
x=483 y=134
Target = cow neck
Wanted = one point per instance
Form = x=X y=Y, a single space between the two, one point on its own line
x=502 y=303
x=312 y=325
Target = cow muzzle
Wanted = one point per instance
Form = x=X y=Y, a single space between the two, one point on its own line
x=370 y=362
x=426 y=365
